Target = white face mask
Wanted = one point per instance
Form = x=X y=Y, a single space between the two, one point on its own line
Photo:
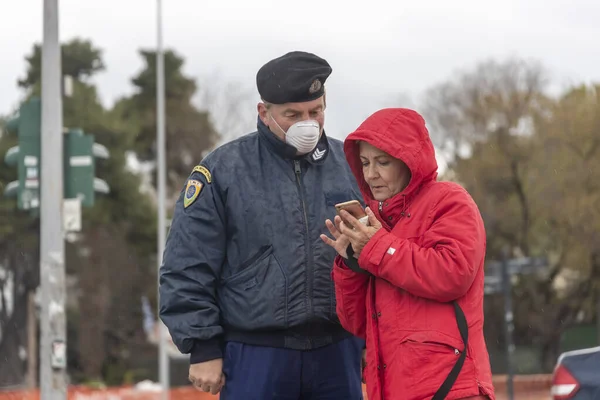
x=303 y=135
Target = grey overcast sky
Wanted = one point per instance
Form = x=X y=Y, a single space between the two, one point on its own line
x=378 y=49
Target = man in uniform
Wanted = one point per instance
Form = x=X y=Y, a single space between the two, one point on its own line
x=245 y=284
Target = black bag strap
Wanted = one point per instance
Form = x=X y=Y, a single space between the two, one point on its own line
x=352 y=262
x=453 y=375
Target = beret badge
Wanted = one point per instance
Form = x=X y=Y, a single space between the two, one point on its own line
x=315 y=86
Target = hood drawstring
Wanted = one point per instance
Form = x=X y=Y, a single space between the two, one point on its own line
x=403 y=213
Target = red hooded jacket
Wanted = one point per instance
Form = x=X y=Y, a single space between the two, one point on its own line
x=429 y=253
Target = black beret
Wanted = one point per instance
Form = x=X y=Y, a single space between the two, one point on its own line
x=294 y=77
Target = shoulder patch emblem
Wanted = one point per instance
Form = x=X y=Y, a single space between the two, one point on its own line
x=204 y=171
x=192 y=190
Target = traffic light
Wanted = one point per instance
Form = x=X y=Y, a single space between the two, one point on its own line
x=25 y=156
x=80 y=154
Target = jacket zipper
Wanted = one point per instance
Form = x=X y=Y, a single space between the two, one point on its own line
x=309 y=266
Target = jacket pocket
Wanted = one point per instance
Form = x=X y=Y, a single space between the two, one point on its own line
x=429 y=356
x=255 y=297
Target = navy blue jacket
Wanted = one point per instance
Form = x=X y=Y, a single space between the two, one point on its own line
x=244 y=261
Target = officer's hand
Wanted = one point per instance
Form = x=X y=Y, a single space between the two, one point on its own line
x=341 y=242
x=208 y=376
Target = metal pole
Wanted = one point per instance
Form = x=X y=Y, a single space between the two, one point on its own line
x=32 y=342
x=163 y=366
x=52 y=262
x=508 y=324
x=598 y=316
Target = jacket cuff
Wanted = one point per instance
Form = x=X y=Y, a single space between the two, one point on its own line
x=206 y=350
x=340 y=263
x=376 y=248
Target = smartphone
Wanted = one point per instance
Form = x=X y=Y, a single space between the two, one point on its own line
x=355 y=209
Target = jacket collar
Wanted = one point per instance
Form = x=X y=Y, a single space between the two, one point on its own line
x=316 y=157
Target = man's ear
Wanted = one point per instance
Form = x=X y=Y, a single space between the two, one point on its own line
x=263 y=113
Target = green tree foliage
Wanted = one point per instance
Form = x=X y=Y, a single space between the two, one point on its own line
x=189 y=131
x=80 y=59
x=19 y=272
x=111 y=264
x=567 y=168
x=117 y=267
x=112 y=261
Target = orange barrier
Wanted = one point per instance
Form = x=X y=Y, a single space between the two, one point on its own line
x=524 y=383
x=534 y=387
x=526 y=387
x=115 y=393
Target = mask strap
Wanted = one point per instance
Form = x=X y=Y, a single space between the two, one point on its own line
x=280 y=128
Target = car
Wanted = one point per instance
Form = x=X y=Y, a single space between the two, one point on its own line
x=576 y=375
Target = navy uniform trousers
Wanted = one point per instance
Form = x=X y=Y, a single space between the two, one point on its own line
x=265 y=373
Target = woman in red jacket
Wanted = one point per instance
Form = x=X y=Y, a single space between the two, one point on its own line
x=411 y=281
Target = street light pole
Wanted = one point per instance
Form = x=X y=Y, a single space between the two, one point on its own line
x=163 y=359
x=53 y=385
x=508 y=324
x=498 y=280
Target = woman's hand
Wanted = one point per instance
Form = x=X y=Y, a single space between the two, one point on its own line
x=361 y=234
x=341 y=242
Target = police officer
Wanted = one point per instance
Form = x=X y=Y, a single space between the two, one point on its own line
x=245 y=284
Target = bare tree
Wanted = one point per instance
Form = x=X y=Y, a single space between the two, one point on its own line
x=531 y=167
x=231 y=105
x=475 y=104
x=492 y=105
